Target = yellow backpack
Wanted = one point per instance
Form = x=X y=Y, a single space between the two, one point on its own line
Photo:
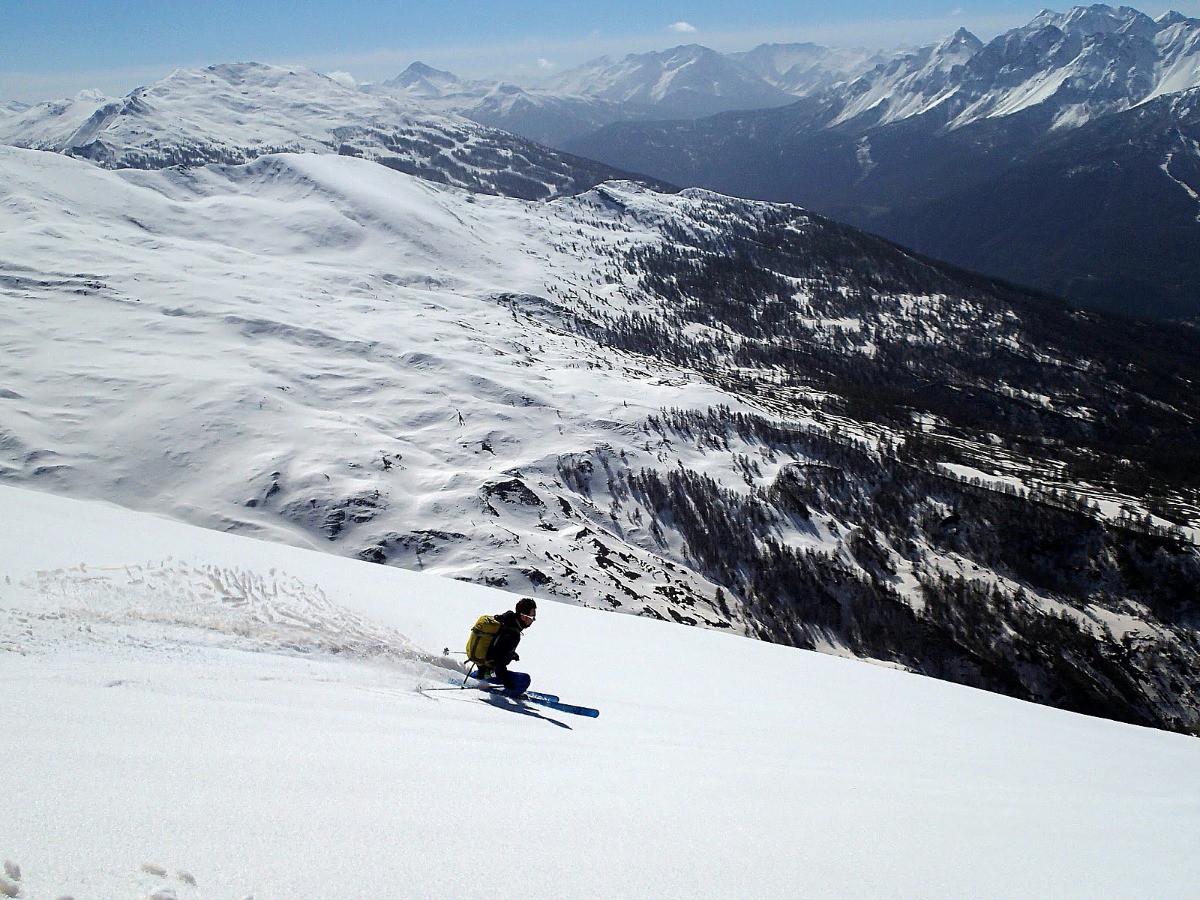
x=479 y=644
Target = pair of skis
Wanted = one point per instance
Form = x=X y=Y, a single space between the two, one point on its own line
x=550 y=701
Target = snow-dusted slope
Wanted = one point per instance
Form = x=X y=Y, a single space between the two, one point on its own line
x=1066 y=69
x=193 y=715
x=322 y=351
x=237 y=112
x=317 y=348
x=910 y=85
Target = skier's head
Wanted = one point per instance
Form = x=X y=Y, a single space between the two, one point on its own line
x=527 y=610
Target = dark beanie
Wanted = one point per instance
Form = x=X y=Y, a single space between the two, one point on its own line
x=526 y=605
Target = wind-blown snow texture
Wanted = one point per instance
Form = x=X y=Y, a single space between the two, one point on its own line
x=190 y=714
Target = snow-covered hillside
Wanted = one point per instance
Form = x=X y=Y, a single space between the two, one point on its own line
x=569 y=398
x=315 y=348
x=235 y=113
x=192 y=715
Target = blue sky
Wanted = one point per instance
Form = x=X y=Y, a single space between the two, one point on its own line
x=54 y=48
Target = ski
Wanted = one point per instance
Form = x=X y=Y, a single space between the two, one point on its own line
x=532 y=695
x=538 y=695
x=493 y=689
x=561 y=707
x=550 y=701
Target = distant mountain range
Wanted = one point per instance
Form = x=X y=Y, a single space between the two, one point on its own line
x=238 y=112
x=1061 y=154
x=685 y=82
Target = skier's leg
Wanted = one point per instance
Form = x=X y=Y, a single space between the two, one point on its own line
x=516 y=683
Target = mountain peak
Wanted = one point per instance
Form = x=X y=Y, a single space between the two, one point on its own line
x=420 y=69
x=1099 y=18
x=960 y=40
x=1174 y=17
x=425 y=78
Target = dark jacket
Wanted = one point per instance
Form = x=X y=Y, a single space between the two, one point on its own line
x=504 y=649
x=504 y=645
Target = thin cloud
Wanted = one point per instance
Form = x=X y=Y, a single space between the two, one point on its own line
x=683 y=28
x=36 y=87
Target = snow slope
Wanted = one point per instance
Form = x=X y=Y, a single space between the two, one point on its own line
x=316 y=348
x=191 y=714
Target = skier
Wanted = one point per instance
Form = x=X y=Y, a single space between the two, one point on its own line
x=502 y=650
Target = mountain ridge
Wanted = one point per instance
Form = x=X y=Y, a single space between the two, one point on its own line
x=235 y=112
x=948 y=129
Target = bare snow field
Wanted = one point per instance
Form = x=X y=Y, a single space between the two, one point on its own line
x=191 y=714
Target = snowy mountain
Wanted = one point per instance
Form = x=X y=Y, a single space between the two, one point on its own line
x=683 y=82
x=192 y=714
x=803 y=69
x=236 y=113
x=547 y=118
x=1130 y=179
x=730 y=414
x=952 y=126
x=1065 y=69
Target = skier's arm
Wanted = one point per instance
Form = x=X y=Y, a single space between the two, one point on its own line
x=504 y=647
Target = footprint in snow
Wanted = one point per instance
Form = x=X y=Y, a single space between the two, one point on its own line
x=10 y=881
x=166 y=892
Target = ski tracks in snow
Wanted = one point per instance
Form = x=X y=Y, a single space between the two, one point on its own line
x=173 y=605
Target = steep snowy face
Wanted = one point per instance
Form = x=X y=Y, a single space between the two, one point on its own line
x=909 y=86
x=1178 y=42
x=236 y=113
x=1065 y=69
x=1098 y=19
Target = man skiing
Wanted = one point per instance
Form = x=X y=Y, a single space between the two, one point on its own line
x=503 y=648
